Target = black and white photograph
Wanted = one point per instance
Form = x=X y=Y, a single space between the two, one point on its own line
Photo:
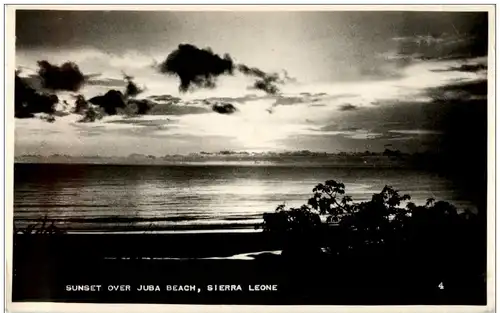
x=228 y=155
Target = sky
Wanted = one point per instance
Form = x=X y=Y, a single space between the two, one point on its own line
x=362 y=80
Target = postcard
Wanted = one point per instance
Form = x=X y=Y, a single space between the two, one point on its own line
x=283 y=157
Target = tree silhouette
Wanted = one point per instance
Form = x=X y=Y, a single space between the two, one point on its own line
x=419 y=246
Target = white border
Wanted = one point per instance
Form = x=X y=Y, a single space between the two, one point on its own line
x=78 y=307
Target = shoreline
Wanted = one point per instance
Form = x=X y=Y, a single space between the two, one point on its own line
x=176 y=244
x=166 y=232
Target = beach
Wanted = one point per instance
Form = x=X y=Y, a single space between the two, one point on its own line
x=45 y=265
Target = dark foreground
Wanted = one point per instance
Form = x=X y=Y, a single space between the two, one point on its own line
x=44 y=265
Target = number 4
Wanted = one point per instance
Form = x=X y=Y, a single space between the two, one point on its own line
x=441 y=286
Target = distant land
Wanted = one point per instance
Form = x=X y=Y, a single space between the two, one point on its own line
x=388 y=158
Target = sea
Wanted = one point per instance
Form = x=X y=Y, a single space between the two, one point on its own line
x=194 y=198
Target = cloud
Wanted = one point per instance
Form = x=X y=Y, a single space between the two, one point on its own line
x=471 y=68
x=174 y=109
x=28 y=101
x=351 y=133
x=132 y=89
x=114 y=99
x=199 y=68
x=157 y=123
x=110 y=101
x=90 y=115
x=473 y=43
x=196 y=67
x=143 y=106
x=224 y=108
x=416 y=132
x=460 y=39
x=107 y=82
x=252 y=71
x=65 y=77
x=462 y=90
x=363 y=135
x=81 y=105
x=348 y=107
x=266 y=85
x=187 y=119
x=265 y=81
x=238 y=99
x=282 y=100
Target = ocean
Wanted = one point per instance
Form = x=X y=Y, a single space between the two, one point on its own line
x=144 y=198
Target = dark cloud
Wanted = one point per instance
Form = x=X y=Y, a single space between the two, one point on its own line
x=224 y=108
x=115 y=99
x=28 y=101
x=252 y=71
x=65 y=77
x=107 y=82
x=140 y=122
x=196 y=67
x=348 y=107
x=479 y=34
x=471 y=44
x=48 y=118
x=90 y=115
x=241 y=99
x=172 y=109
x=143 y=106
x=460 y=36
x=199 y=68
x=81 y=105
x=265 y=81
x=289 y=100
x=266 y=85
x=131 y=89
x=165 y=98
x=110 y=101
x=469 y=68
x=459 y=91
x=288 y=78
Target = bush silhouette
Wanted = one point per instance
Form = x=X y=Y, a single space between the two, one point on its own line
x=417 y=246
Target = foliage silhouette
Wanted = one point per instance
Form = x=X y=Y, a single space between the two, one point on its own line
x=40 y=227
x=416 y=246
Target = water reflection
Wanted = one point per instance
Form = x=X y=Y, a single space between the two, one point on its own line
x=90 y=197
